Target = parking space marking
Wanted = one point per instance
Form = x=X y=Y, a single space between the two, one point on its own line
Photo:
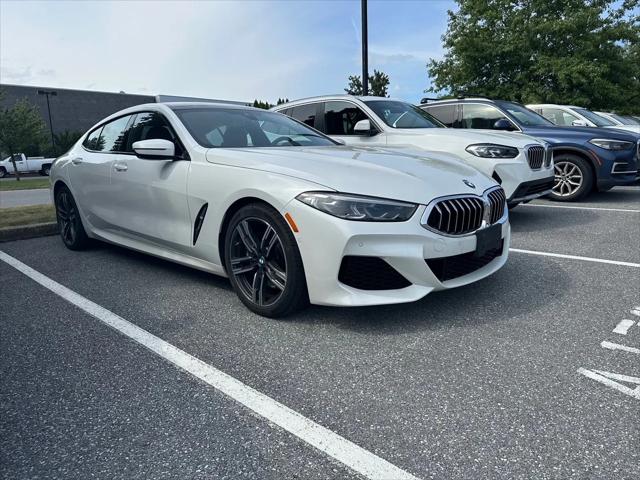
x=623 y=326
x=576 y=257
x=628 y=210
x=617 y=346
x=348 y=453
x=612 y=380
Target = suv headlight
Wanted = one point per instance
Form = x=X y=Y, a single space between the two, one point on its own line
x=359 y=208
x=489 y=150
x=610 y=144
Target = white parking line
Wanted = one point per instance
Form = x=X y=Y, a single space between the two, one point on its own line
x=609 y=379
x=581 y=208
x=617 y=346
x=357 y=458
x=576 y=257
x=623 y=326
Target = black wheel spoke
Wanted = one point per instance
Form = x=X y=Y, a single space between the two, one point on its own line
x=257 y=287
x=269 y=238
x=276 y=276
x=244 y=231
x=243 y=265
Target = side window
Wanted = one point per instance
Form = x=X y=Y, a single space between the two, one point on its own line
x=304 y=113
x=148 y=126
x=445 y=113
x=92 y=142
x=558 y=116
x=480 y=116
x=113 y=136
x=341 y=117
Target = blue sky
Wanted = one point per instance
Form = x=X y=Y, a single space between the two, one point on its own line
x=237 y=50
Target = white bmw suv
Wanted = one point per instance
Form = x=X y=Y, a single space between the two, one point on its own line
x=522 y=165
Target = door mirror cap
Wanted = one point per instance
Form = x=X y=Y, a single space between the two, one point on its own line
x=155 y=149
x=579 y=123
x=363 y=127
x=503 y=124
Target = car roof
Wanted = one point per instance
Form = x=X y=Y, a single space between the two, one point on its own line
x=339 y=96
x=460 y=100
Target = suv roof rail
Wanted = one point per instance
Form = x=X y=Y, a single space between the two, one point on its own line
x=427 y=100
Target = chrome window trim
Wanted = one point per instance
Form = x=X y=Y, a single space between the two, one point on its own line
x=485 y=200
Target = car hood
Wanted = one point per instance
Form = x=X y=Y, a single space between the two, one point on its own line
x=626 y=128
x=402 y=173
x=556 y=134
x=468 y=136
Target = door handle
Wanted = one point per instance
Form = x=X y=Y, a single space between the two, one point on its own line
x=120 y=167
x=77 y=160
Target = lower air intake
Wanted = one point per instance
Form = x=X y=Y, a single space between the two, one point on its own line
x=448 y=268
x=370 y=273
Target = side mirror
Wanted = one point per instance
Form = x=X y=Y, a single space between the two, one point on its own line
x=363 y=127
x=579 y=123
x=503 y=124
x=155 y=149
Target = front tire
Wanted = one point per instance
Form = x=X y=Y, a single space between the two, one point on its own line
x=263 y=262
x=69 y=223
x=3 y=172
x=46 y=170
x=574 y=178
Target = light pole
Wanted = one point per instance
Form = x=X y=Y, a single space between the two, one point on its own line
x=53 y=93
x=365 y=55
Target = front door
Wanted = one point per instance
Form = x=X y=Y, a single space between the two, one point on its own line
x=150 y=196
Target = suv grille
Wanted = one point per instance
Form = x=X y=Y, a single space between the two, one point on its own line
x=535 y=157
x=462 y=215
x=548 y=158
x=370 y=273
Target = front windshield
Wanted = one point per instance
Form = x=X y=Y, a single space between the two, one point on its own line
x=625 y=120
x=219 y=127
x=402 y=115
x=594 y=117
x=524 y=116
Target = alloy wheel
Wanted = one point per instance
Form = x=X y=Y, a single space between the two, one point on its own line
x=258 y=261
x=67 y=217
x=568 y=178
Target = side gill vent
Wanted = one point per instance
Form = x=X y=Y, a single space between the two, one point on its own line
x=199 y=221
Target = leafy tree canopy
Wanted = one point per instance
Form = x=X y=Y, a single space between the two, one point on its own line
x=378 y=84
x=583 y=52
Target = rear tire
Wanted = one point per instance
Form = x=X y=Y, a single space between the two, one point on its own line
x=263 y=262
x=69 y=222
x=3 y=172
x=46 y=169
x=574 y=178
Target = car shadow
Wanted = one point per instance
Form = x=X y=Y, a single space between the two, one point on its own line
x=527 y=219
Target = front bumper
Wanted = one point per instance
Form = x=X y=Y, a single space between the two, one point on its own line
x=530 y=190
x=513 y=174
x=324 y=241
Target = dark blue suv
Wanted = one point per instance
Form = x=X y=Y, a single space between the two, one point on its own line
x=585 y=158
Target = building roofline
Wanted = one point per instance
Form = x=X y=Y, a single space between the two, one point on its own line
x=75 y=90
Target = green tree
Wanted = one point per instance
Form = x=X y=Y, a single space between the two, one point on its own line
x=582 y=52
x=261 y=104
x=65 y=140
x=21 y=127
x=378 y=84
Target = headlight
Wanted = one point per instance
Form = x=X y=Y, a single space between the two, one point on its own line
x=355 y=207
x=609 y=144
x=488 y=150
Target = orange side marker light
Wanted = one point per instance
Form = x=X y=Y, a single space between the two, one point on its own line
x=292 y=224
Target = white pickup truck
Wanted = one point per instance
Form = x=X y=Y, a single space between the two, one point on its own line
x=26 y=165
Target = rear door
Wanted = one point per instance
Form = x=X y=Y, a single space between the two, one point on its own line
x=150 y=196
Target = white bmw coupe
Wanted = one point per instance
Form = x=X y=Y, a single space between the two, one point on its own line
x=289 y=215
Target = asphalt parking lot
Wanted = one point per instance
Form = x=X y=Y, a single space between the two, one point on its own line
x=520 y=375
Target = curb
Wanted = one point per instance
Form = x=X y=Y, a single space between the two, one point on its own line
x=22 y=232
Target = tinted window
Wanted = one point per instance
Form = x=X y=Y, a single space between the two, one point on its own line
x=148 y=126
x=445 y=113
x=304 y=113
x=238 y=128
x=92 y=142
x=523 y=115
x=480 y=116
x=341 y=117
x=558 y=116
x=596 y=119
x=401 y=114
x=113 y=136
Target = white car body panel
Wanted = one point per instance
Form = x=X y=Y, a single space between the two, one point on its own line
x=25 y=164
x=449 y=141
x=618 y=124
x=151 y=205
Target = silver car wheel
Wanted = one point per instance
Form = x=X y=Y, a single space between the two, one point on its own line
x=568 y=178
